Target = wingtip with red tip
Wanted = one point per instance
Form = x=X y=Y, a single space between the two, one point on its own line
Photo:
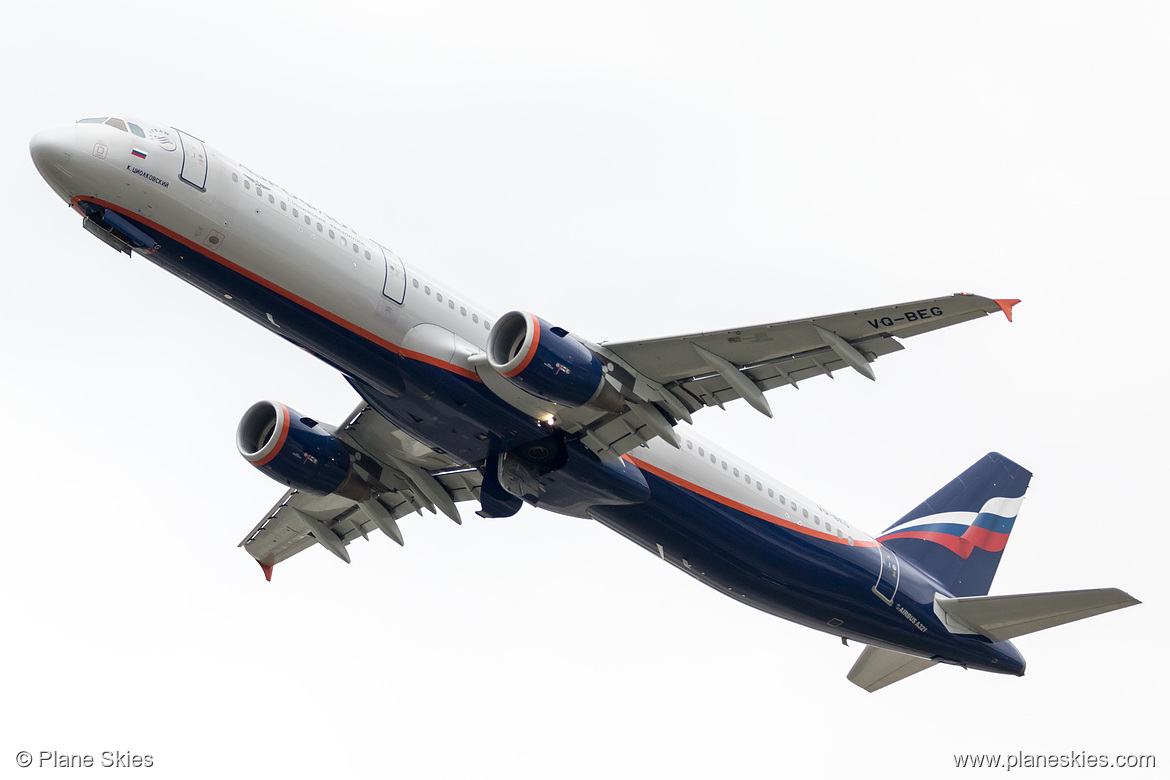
x=267 y=570
x=1006 y=304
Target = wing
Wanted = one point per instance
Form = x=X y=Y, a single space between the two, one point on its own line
x=682 y=374
x=407 y=476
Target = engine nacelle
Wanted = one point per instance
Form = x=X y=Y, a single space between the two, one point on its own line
x=548 y=362
x=297 y=451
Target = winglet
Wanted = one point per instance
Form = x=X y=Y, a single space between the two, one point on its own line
x=1006 y=304
x=267 y=570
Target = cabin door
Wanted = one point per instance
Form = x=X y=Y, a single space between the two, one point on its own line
x=887 y=584
x=194 y=170
x=395 y=286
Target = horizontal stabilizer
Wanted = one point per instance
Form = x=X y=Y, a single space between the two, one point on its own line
x=876 y=668
x=1004 y=617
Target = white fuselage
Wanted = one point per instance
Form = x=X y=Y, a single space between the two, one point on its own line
x=271 y=235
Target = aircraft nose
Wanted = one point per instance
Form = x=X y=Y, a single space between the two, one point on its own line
x=52 y=146
x=52 y=151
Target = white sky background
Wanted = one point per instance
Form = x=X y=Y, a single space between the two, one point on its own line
x=635 y=170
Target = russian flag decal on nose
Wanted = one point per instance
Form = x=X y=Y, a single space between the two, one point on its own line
x=139 y=153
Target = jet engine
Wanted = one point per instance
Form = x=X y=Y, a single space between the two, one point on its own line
x=549 y=362
x=297 y=451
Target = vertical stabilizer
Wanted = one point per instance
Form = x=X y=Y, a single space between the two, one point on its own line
x=958 y=535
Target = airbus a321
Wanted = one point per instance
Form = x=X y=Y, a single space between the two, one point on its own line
x=459 y=404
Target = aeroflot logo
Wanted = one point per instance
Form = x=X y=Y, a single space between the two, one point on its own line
x=163 y=138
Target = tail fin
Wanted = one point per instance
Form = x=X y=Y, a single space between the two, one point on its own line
x=958 y=534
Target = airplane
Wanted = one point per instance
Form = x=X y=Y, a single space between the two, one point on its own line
x=458 y=404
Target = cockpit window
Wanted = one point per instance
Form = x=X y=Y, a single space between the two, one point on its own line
x=113 y=121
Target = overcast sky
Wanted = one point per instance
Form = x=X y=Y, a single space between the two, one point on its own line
x=630 y=170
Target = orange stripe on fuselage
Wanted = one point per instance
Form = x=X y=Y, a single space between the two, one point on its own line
x=733 y=504
x=356 y=329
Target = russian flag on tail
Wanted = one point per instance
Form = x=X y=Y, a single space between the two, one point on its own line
x=964 y=532
x=958 y=535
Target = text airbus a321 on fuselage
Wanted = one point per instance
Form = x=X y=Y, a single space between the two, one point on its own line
x=459 y=404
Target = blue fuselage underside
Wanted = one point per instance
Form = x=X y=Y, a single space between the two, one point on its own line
x=804 y=579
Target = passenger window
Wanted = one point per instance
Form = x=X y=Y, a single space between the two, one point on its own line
x=308 y=220
x=474 y=316
x=332 y=234
x=463 y=311
x=439 y=297
x=355 y=251
x=367 y=254
x=451 y=304
x=296 y=212
x=235 y=177
x=271 y=199
x=319 y=228
x=415 y=281
x=247 y=184
x=735 y=470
